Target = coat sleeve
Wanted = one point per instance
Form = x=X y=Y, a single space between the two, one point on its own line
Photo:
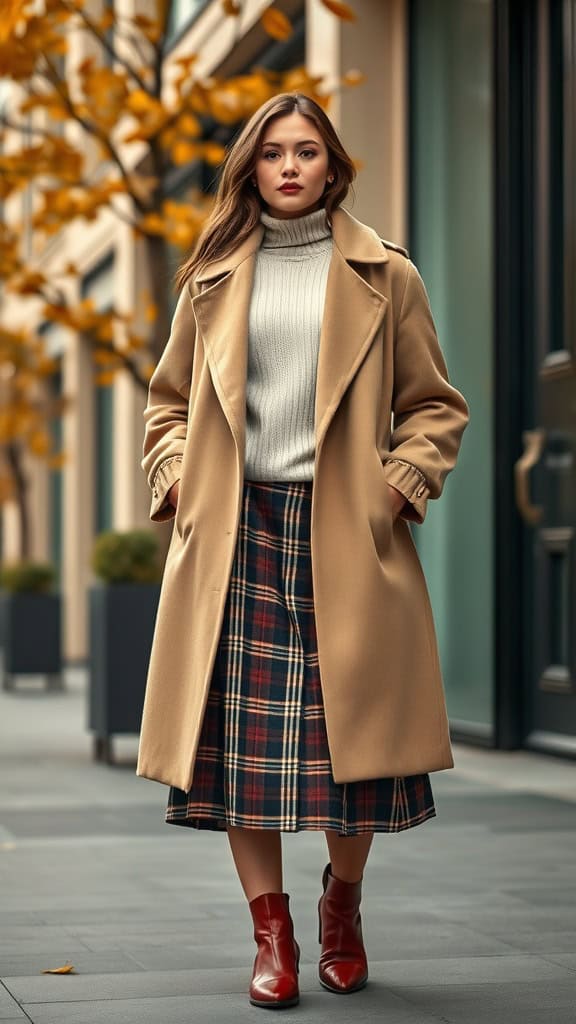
x=430 y=415
x=166 y=412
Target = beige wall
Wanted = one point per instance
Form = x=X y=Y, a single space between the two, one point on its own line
x=371 y=119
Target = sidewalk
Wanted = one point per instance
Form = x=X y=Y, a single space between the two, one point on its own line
x=468 y=919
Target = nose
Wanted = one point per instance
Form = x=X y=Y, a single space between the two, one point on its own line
x=289 y=168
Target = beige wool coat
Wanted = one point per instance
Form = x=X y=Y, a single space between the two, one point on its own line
x=385 y=412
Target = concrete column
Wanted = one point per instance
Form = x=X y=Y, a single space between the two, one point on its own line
x=78 y=494
x=131 y=495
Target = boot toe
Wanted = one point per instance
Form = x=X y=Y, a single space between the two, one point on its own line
x=275 y=993
x=343 y=977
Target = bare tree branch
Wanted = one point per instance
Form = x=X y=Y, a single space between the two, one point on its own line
x=106 y=44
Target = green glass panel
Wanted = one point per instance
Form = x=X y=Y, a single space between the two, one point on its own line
x=182 y=14
x=55 y=484
x=451 y=243
x=104 y=407
x=98 y=285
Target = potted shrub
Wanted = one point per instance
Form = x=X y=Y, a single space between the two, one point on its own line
x=122 y=610
x=30 y=618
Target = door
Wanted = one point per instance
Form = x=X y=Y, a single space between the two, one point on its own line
x=546 y=472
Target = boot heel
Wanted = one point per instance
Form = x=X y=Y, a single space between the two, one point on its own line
x=343 y=965
x=274 y=983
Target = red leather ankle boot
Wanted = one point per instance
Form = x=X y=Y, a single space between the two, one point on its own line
x=275 y=977
x=343 y=966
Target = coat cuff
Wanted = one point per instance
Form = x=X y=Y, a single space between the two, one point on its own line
x=411 y=482
x=167 y=474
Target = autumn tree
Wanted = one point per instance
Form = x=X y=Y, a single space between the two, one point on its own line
x=96 y=118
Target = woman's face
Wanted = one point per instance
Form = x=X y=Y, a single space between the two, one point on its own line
x=292 y=153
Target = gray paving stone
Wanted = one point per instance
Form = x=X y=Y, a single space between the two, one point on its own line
x=153 y=984
x=314 y=1008
x=435 y=940
x=86 y=962
x=465 y=971
x=567 y=960
x=9 y=1008
x=530 y=1003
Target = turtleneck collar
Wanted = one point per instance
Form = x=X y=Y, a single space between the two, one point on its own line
x=294 y=231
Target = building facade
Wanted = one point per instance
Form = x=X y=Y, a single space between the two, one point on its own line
x=465 y=131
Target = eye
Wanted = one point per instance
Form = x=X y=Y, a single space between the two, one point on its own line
x=308 y=152
x=268 y=153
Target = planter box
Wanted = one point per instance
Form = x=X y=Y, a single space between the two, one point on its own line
x=122 y=617
x=31 y=636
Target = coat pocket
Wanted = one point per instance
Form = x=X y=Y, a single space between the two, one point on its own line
x=380 y=515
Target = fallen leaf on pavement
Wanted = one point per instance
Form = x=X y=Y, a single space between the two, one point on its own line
x=67 y=969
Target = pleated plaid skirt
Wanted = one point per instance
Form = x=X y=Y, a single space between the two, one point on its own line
x=263 y=760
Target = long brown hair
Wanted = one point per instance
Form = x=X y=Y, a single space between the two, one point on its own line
x=238 y=205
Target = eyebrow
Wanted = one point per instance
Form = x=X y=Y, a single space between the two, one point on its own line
x=303 y=142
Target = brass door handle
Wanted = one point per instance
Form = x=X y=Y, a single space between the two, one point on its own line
x=533 y=441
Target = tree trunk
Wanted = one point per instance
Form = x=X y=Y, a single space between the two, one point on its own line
x=14 y=457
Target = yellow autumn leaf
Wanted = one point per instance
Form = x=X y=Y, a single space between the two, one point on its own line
x=183 y=152
x=353 y=77
x=276 y=24
x=152 y=223
x=213 y=152
x=39 y=444
x=189 y=124
x=66 y=969
x=186 y=62
x=135 y=342
x=58 y=461
x=102 y=358
x=340 y=9
x=151 y=312
x=140 y=102
x=86 y=66
x=105 y=379
x=300 y=80
x=12 y=11
x=226 y=103
x=106 y=20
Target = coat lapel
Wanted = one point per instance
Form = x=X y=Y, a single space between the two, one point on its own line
x=353 y=312
x=222 y=315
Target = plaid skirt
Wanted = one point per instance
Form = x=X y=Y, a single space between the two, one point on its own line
x=263 y=760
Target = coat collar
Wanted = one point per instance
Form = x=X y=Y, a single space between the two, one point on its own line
x=353 y=313
x=357 y=243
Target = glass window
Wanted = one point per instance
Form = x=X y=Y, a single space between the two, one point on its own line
x=53 y=337
x=451 y=243
x=560 y=117
x=182 y=14
x=98 y=285
x=56 y=507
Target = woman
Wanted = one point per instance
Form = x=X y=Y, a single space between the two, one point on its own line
x=294 y=679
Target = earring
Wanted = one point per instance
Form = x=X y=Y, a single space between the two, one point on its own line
x=330 y=179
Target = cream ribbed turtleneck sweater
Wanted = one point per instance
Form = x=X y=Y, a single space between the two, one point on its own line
x=284 y=323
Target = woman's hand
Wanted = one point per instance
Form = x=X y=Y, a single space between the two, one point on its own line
x=172 y=496
x=397 y=500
